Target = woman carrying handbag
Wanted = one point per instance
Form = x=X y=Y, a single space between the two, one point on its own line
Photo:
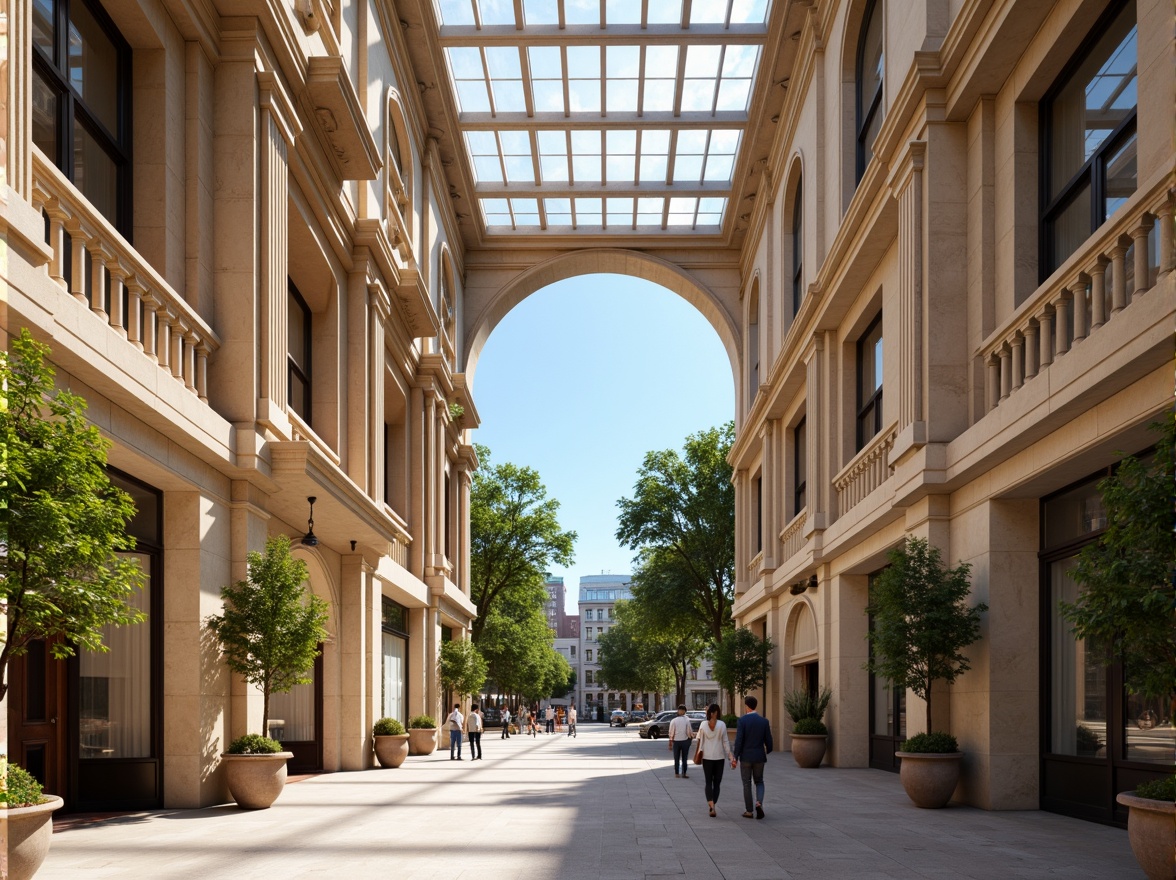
x=713 y=750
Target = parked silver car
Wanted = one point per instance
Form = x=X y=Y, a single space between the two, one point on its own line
x=659 y=724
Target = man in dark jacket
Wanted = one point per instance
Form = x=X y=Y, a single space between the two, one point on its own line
x=753 y=741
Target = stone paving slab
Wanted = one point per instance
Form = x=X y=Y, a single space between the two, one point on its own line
x=602 y=806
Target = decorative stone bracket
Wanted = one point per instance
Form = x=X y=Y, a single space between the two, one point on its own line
x=338 y=119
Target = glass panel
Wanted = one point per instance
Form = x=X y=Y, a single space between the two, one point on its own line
x=540 y=12
x=1078 y=685
x=872 y=61
x=708 y=12
x=1099 y=95
x=392 y=687
x=497 y=11
x=95 y=173
x=1074 y=514
x=1070 y=227
x=749 y=11
x=622 y=12
x=664 y=12
x=296 y=337
x=1122 y=175
x=884 y=720
x=114 y=687
x=93 y=65
x=582 y=11
x=394 y=615
x=44 y=27
x=45 y=110
x=456 y=12
x=144 y=525
x=1148 y=730
x=292 y=713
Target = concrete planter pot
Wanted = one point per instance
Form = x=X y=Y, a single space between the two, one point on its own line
x=808 y=749
x=30 y=831
x=929 y=778
x=255 y=781
x=1149 y=828
x=391 y=750
x=422 y=740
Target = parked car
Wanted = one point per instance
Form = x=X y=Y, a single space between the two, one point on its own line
x=618 y=718
x=638 y=715
x=659 y=724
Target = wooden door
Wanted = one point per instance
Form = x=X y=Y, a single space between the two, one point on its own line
x=37 y=717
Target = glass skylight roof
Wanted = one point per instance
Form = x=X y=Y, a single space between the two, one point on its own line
x=603 y=115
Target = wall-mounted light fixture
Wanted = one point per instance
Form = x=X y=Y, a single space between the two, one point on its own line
x=797 y=588
x=310 y=539
x=812 y=582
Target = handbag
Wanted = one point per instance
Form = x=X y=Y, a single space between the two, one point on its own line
x=698 y=752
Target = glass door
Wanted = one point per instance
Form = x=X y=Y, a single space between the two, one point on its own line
x=296 y=721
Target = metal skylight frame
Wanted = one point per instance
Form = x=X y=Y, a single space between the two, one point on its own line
x=566 y=125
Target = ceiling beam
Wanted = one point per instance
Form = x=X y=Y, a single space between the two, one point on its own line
x=628 y=35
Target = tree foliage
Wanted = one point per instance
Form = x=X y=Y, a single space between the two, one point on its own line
x=1128 y=600
x=462 y=668
x=645 y=652
x=921 y=623
x=742 y=662
x=63 y=579
x=681 y=522
x=271 y=626
x=515 y=536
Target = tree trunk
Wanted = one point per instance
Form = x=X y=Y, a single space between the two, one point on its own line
x=265 y=697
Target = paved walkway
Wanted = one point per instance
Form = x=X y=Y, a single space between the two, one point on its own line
x=604 y=806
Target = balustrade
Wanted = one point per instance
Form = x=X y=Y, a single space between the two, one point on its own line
x=868 y=470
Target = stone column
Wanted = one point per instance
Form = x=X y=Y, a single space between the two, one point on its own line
x=845 y=653
x=739 y=478
x=908 y=189
x=465 y=483
x=820 y=454
x=356 y=660
x=770 y=492
x=417 y=466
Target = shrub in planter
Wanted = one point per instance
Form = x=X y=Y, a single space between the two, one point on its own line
x=731 y=721
x=1149 y=826
x=29 y=815
x=422 y=735
x=930 y=768
x=802 y=703
x=931 y=744
x=809 y=727
x=810 y=738
x=253 y=744
x=390 y=742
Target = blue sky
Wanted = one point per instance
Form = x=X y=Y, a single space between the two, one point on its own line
x=583 y=378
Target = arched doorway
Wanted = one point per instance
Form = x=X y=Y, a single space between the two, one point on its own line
x=803 y=650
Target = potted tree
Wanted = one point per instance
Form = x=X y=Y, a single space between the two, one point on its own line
x=742 y=663
x=921 y=625
x=1126 y=602
x=29 y=815
x=391 y=742
x=422 y=735
x=810 y=736
x=64 y=527
x=269 y=633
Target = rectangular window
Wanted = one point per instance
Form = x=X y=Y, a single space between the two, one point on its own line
x=799 y=466
x=298 y=354
x=759 y=514
x=869 y=390
x=588 y=632
x=1088 y=131
x=600 y=614
x=573 y=650
x=588 y=655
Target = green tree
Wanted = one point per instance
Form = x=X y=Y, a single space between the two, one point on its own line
x=462 y=668
x=515 y=536
x=921 y=623
x=627 y=663
x=65 y=524
x=742 y=662
x=1128 y=600
x=559 y=677
x=271 y=626
x=516 y=643
x=658 y=650
x=681 y=520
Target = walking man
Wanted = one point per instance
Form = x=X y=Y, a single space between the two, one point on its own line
x=474 y=732
x=571 y=720
x=455 y=721
x=753 y=741
x=505 y=723
x=550 y=719
x=679 y=736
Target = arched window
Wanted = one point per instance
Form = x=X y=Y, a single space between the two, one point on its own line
x=868 y=83
x=448 y=312
x=797 y=249
x=397 y=173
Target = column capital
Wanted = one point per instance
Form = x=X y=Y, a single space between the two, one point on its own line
x=272 y=97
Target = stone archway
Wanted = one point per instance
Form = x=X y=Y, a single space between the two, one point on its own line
x=801 y=647
x=491 y=291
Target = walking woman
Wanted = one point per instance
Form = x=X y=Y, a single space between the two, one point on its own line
x=715 y=748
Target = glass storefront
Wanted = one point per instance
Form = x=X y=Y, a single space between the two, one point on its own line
x=394 y=669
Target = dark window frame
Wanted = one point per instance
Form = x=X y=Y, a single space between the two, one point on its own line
x=874 y=402
x=71 y=106
x=799 y=474
x=864 y=116
x=798 y=249
x=1093 y=170
x=294 y=370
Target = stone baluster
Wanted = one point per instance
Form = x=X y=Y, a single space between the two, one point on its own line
x=1078 y=297
x=1118 y=277
x=1032 y=332
x=1045 y=332
x=993 y=381
x=118 y=293
x=190 y=340
x=134 y=312
x=163 y=336
x=1006 y=375
x=202 y=371
x=98 y=258
x=177 y=345
x=1164 y=216
x=1061 y=321
x=1098 y=293
x=1142 y=270
x=77 y=269
x=150 y=305
x=1018 y=361
x=57 y=246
